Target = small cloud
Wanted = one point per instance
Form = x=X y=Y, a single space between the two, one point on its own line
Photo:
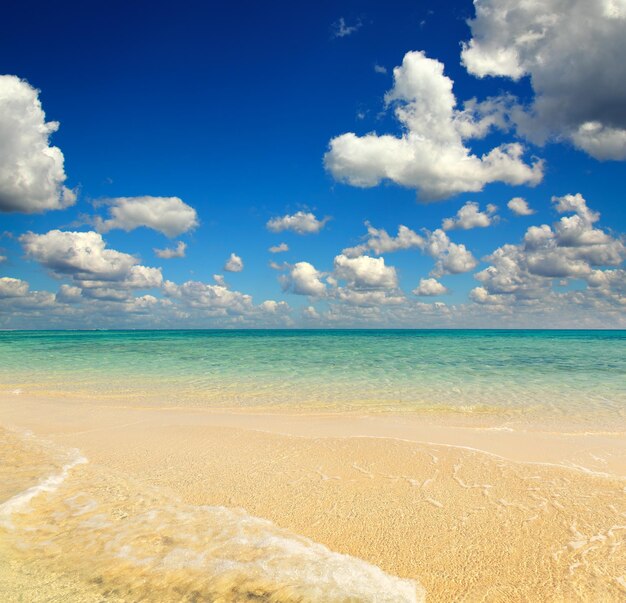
x=303 y=279
x=234 y=263
x=310 y=313
x=365 y=273
x=470 y=216
x=429 y=287
x=300 y=222
x=519 y=207
x=279 y=248
x=12 y=287
x=172 y=252
x=340 y=29
x=379 y=68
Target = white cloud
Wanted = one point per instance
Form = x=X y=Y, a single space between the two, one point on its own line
x=190 y=303
x=430 y=156
x=373 y=298
x=340 y=29
x=197 y=302
x=452 y=258
x=430 y=287
x=365 y=272
x=576 y=204
x=573 y=52
x=273 y=307
x=143 y=277
x=144 y=304
x=379 y=68
x=310 y=313
x=609 y=283
x=301 y=222
x=80 y=254
x=379 y=241
x=172 y=252
x=213 y=299
x=572 y=248
x=83 y=256
x=367 y=281
x=480 y=295
x=470 y=216
x=398 y=312
x=169 y=215
x=279 y=248
x=303 y=279
x=520 y=207
x=16 y=299
x=13 y=287
x=67 y=294
x=234 y=263
x=32 y=175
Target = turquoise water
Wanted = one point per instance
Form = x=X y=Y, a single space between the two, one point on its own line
x=515 y=375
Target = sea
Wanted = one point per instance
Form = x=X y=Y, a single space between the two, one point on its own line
x=488 y=375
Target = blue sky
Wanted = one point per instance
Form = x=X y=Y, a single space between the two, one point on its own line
x=230 y=111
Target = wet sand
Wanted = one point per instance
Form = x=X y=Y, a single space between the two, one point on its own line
x=470 y=513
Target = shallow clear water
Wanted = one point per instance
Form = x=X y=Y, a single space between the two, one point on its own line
x=578 y=375
x=72 y=531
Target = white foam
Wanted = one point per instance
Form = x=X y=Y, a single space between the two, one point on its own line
x=222 y=544
x=49 y=484
x=212 y=545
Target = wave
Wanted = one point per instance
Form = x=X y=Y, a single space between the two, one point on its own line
x=49 y=484
x=145 y=545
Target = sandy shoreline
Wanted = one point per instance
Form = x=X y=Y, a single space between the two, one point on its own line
x=532 y=515
x=596 y=451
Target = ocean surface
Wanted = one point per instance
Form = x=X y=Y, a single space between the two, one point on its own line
x=578 y=376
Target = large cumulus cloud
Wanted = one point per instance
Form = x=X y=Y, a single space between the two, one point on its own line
x=32 y=174
x=573 y=51
x=84 y=257
x=430 y=155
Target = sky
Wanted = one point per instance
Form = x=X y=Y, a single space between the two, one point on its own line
x=313 y=165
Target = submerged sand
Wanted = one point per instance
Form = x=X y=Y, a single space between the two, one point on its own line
x=469 y=513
